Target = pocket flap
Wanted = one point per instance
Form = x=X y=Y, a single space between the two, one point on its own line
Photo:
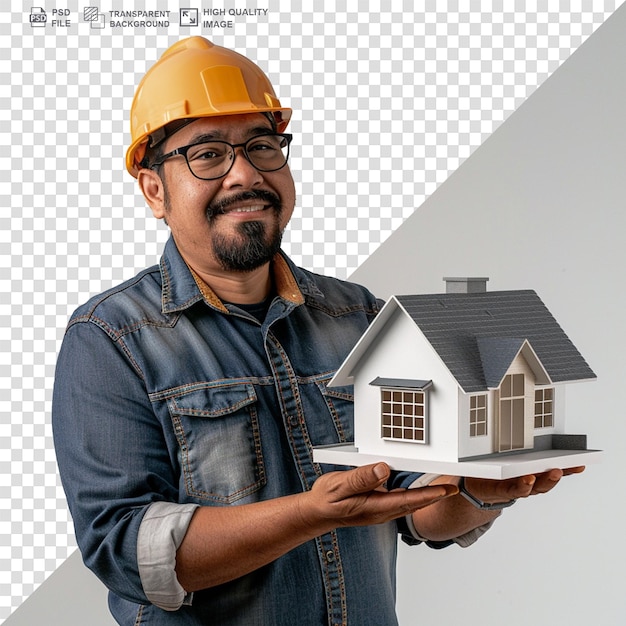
x=213 y=401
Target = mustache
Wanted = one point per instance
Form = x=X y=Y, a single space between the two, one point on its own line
x=220 y=207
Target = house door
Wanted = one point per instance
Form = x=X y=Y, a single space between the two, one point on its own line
x=512 y=413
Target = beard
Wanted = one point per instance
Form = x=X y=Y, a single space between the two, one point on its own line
x=254 y=243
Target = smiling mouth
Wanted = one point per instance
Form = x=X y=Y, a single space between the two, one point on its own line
x=247 y=209
x=245 y=202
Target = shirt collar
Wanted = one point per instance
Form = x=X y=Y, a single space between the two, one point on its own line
x=182 y=287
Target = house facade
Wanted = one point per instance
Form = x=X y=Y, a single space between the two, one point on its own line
x=462 y=375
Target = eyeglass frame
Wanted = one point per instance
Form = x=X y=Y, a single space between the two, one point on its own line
x=182 y=151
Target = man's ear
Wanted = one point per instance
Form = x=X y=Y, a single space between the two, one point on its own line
x=153 y=191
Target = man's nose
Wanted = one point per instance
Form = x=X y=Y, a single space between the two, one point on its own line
x=242 y=173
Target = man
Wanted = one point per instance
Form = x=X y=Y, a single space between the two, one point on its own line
x=187 y=400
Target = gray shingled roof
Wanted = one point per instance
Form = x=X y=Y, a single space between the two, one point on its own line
x=459 y=326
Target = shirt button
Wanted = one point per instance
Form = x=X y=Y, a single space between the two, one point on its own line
x=330 y=556
x=293 y=421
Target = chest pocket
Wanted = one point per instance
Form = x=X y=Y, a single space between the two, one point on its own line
x=219 y=442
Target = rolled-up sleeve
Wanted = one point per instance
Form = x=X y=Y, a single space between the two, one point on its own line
x=161 y=532
x=112 y=457
x=465 y=540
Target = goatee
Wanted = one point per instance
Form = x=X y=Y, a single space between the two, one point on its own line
x=255 y=243
x=253 y=247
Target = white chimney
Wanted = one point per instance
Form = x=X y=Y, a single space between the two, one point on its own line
x=466 y=285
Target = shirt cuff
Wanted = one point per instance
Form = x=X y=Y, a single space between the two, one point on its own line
x=473 y=536
x=161 y=532
x=464 y=540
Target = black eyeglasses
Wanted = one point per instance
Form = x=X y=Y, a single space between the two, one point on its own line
x=209 y=160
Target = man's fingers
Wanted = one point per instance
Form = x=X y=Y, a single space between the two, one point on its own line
x=434 y=493
x=360 y=493
x=362 y=480
x=548 y=480
x=522 y=487
x=389 y=505
x=574 y=470
x=370 y=477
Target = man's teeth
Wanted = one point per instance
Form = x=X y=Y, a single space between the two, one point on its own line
x=248 y=209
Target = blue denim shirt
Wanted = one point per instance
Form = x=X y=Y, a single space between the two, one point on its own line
x=167 y=399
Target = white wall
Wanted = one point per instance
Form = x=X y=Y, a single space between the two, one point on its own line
x=402 y=351
x=541 y=204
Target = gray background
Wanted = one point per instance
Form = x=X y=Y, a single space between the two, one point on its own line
x=539 y=204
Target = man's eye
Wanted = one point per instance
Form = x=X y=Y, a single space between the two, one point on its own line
x=266 y=143
x=262 y=147
x=205 y=154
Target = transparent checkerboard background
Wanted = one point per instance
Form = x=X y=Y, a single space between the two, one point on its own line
x=387 y=103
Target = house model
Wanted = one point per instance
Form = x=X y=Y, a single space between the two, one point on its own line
x=468 y=382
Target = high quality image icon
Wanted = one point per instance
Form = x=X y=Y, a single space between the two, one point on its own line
x=188 y=17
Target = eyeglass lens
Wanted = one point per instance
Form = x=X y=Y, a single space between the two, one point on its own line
x=213 y=159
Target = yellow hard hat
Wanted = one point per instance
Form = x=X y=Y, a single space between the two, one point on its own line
x=195 y=78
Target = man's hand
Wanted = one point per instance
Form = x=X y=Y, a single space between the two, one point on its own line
x=224 y=543
x=493 y=491
x=357 y=498
x=456 y=516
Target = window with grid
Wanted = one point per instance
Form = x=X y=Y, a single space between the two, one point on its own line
x=544 y=407
x=404 y=414
x=478 y=415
